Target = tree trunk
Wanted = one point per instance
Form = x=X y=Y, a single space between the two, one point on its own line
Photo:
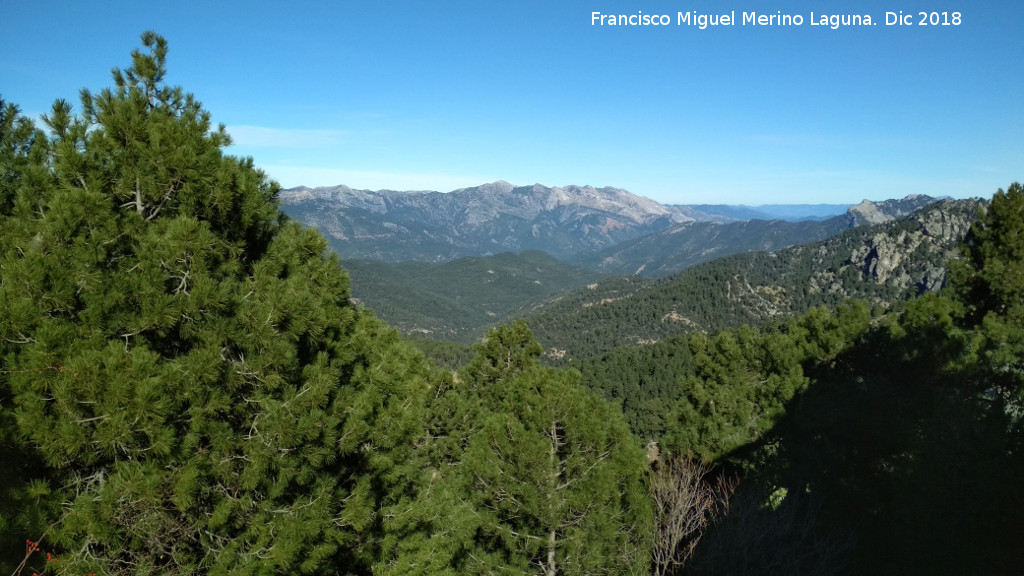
x=552 y=566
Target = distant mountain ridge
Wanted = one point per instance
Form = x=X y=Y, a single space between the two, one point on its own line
x=607 y=228
x=688 y=244
x=487 y=219
x=684 y=245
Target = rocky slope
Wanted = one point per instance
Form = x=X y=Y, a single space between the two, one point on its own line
x=911 y=254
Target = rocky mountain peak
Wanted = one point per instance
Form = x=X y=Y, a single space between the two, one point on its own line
x=904 y=256
x=497 y=187
x=870 y=213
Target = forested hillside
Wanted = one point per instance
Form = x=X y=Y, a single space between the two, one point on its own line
x=188 y=387
x=461 y=299
x=902 y=454
x=883 y=265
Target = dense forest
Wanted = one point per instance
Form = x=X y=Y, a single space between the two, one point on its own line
x=187 y=387
x=459 y=300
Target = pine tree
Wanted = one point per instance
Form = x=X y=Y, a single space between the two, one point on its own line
x=17 y=139
x=990 y=283
x=185 y=359
x=22 y=472
x=746 y=377
x=531 y=474
x=991 y=278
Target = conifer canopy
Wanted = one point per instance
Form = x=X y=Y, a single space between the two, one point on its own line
x=186 y=360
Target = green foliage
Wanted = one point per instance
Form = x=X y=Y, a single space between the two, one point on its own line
x=745 y=379
x=990 y=282
x=507 y=351
x=21 y=475
x=461 y=299
x=643 y=379
x=17 y=153
x=184 y=359
x=992 y=275
x=528 y=473
x=444 y=354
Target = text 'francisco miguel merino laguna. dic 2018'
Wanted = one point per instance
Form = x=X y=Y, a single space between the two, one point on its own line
x=832 y=21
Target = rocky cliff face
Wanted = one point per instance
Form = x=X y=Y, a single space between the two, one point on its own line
x=904 y=256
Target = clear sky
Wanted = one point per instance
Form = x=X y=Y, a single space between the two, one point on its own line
x=414 y=95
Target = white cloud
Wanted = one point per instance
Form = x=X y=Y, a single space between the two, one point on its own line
x=261 y=137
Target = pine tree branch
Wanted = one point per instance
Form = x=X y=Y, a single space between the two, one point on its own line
x=583 y=474
x=139 y=207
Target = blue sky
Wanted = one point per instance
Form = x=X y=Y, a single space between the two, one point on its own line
x=445 y=94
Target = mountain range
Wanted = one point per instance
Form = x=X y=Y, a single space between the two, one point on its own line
x=449 y=265
x=579 y=224
x=488 y=219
